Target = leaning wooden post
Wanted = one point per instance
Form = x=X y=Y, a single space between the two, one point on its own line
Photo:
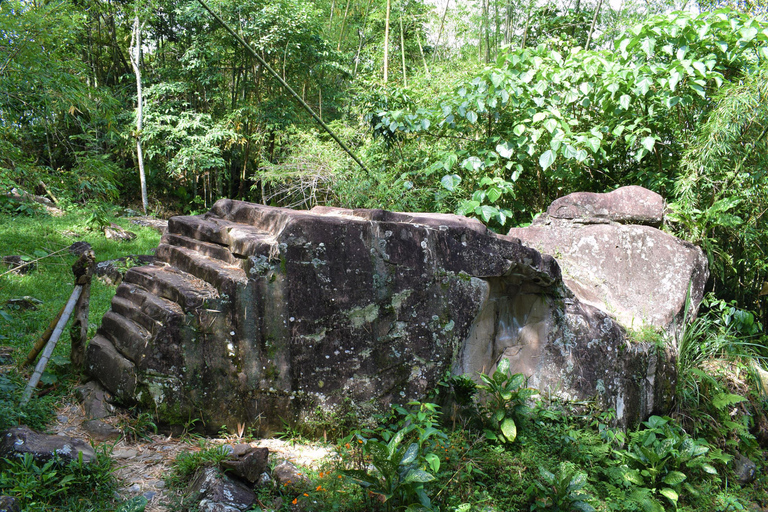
x=51 y=344
x=78 y=332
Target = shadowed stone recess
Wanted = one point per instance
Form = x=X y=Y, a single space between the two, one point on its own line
x=252 y=315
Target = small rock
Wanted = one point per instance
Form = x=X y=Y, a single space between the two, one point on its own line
x=149 y=495
x=25 y=303
x=125 y=453
x=79 y=248
x=95 y=400
x=115 y=232
x=100 y=431
x=744 y=469
x=159 y=484
x=62 y=419
x=8 y=504
x=288 y=476
x=43 y=447
x=264 y=479
x=134 y=488
x=18 y=265
x=217 y=492
x=241 y=449
x=250 y=465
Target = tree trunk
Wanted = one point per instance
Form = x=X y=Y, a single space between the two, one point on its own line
x=135 y=56
x=386 y=42
x=402 y=49
x=442 y=24
x=343 y=26
x=592 y=27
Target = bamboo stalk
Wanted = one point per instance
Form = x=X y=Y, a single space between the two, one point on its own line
x=42 y=340
x=51 y=344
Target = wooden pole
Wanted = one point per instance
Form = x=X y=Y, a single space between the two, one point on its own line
x=51 y=344
x=42 y=340
x=83 y=270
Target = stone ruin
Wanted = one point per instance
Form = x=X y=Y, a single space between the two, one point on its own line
x=255 y=315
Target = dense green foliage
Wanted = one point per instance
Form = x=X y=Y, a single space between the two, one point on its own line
x=488 y=108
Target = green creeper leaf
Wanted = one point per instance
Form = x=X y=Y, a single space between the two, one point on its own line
x=547 y=159
x=647 y=45
x=518 y=130
x=450 y=182
x=644 y=85
x=748 y=33
x=505 y=150
x=624 y=101
x=674 y=79
x=486 y=212
x=472 y=117
x=700 y=67
x=648 y=143
x=496 y=79
x=550 y=124
x=508 y=429
x=493 y=194
x=425 y=124
x=539 y=116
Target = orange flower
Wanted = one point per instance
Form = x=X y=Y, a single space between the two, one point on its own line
x=360 y=441
x=295 y=500
x=347 y=445
x=319 y=487
x=307 y=495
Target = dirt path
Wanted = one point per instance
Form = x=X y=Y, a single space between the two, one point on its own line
x=142 y=466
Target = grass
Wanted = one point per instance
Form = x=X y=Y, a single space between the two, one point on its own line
x=52 y=280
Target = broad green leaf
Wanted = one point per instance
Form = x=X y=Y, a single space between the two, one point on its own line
x=647 y=45
x=674 y=79
x=472 y=117
x=674 y=478
x=419 y=476
x=493 y=194
x=433 y=461
x=644 y=85
x=450 y=182
x=700 y=67
x=425 y=124
x=503 y=365
x=624 y=101
x=496 y=79
x=487 y=213
x=748 y=33
x=411 y=453
x=709 y=469
x=505 y=150
x=539 y=116
x=509 y=429
x=670 y=494
x=547 y=159
x=550 y=125
x=518 y=130
x=648 y=143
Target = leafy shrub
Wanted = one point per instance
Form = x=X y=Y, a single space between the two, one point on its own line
x=506 y=396
x=402 y=468
x=562 y=491
x=72 y=485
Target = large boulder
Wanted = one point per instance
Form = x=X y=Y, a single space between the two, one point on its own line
x=637 y=274
x=254 y=315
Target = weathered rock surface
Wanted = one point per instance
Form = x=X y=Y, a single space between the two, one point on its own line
x=247 y=463
x=18 y=441
x=625 y=205
x=216 y=492
x=9 y=504
x=637 y=274
x=251 y=314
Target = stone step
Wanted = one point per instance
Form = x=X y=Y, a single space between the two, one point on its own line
x=111 y=368
x=172 y=284
x=128 y=309
x=157 y=308
x=241 y=239
x=128 y=337
x=210 y=250
x=222 y=276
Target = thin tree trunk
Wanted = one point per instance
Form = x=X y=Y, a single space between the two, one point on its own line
x=421 y=50
x=343 y=26
x=135 y=56
x=442 y=24
x=487 y=24
x=592 y=27
x=402 y=49
x=386 y=42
